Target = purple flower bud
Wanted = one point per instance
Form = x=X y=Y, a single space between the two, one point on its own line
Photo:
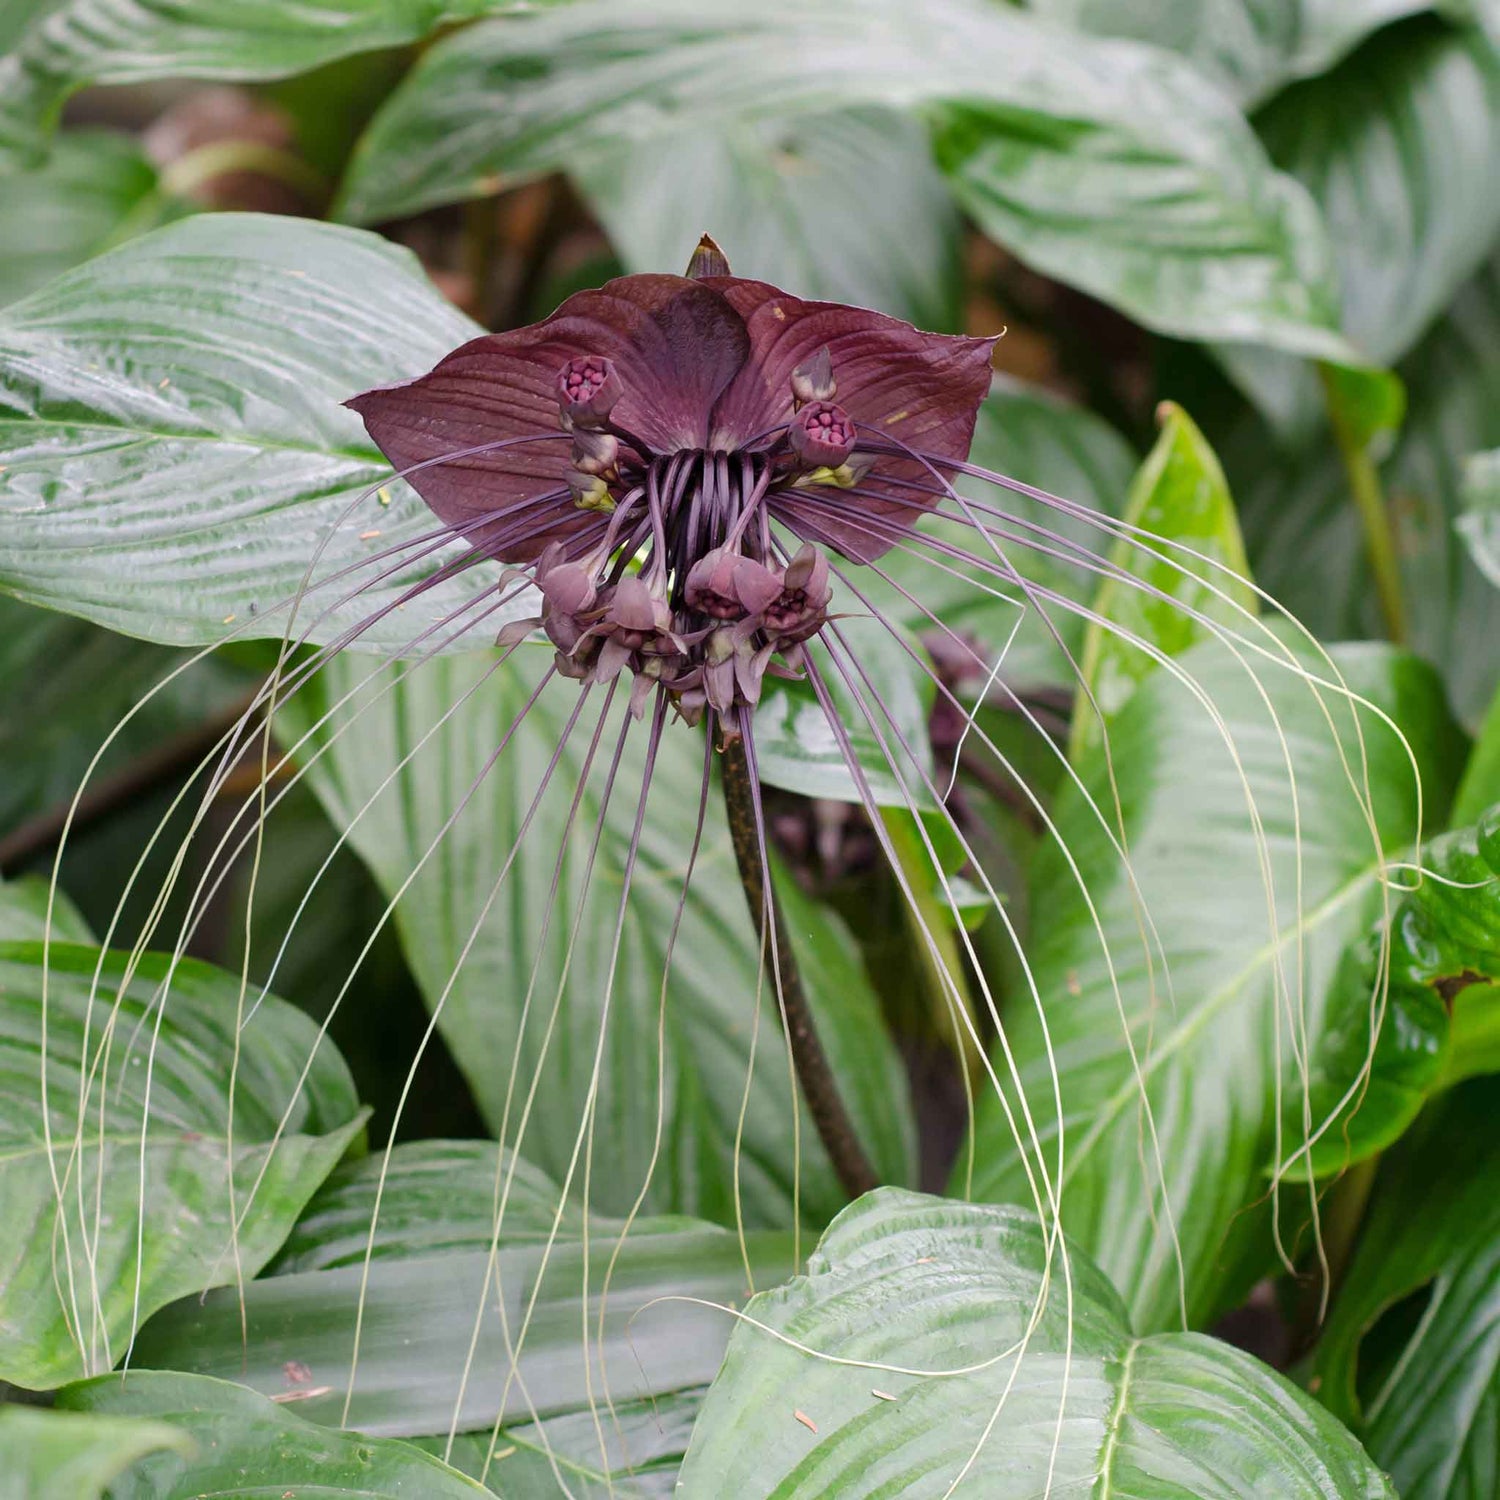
x=587 y=390
x=728 y=585
x=595 y=452
x=568 y=588
x=708 y=260
x=822 y=435
x=634 y=612
x=813 y=381
x=590 y=492
x=803 y=606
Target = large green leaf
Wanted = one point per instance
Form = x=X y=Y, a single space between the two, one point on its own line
x=1108 y=165
x=438 y=1200
x=1179 y=495
x=51 y=47
x=51 y=1453
x=434 y=1197
x=1425 y=1391
x=1439 y=976
x=172 y=440
x=1217 y=1017
x=131 y=1201
x=1252 y=47
x=78 y=683
x=96 y=189
x=711 y=992
x=1480 y=522
x=1399 y=146
x=425 y=1299
x=903 y=1288
x=247 y=1445
x=764 y=188
x=1304 y=536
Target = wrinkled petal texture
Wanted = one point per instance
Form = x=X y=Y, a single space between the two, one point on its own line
x=675 y=346
x=703 y=364
x=921 y=389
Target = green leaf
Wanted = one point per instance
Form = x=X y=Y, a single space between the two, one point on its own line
x=417 y=1315
x=131 y=1202
x=439 y=1200
x=1180 y=495
x=1305 y=540
x=712 y=988
x=1252 y=47
x=1480 y=522
x=796 y=747
x=1480 y=787
x=1107 y=165
x=1214 y=1013
x=78 y=683
x=434 y=1197
x=24 y=914
x=172 y=440
x=1085 y=1407
x=49 y=49
x=95 y=190
x=776 y=194
x=1428 y=1404
x=247 y=1445
x=1437 y=983
x=1399 y=147
x=52 y=1453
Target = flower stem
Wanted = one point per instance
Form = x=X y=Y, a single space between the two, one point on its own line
x=819 y=1088
x=1369 y=501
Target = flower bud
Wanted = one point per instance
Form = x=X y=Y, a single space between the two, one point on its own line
x=587 y=390
x=595 y=452
x=802 y=609
x=822 y=435
x=813 y=380
x=590 y=492
x=728 y=585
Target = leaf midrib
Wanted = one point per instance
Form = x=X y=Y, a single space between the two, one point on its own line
x=1187 y=1031
x=1115 y=1423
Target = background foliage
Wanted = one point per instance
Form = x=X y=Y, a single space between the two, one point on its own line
x=1246 y=257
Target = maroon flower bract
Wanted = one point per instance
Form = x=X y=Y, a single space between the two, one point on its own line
x=703 y=366
x=637 y=445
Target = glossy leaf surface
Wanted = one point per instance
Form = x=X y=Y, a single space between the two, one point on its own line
x=1084 y=1407
x=130 y=1202
x=1431 y=1395
x=173 y=443
x=764 y=189
x=712 y=994
x=1209 y=1026
x=247 y=1445
x=1233 y=250
x=1198 y=569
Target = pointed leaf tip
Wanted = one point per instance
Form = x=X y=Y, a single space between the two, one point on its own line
x=708 y=260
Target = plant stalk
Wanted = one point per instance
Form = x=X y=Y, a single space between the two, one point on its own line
x=1369 y=501
x=819 y=1088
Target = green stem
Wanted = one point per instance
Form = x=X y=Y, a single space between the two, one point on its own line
x=819 y=1087
x=1369 y=501
x=930 y=923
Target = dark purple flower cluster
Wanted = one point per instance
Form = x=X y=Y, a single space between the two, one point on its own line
x=695 y=422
